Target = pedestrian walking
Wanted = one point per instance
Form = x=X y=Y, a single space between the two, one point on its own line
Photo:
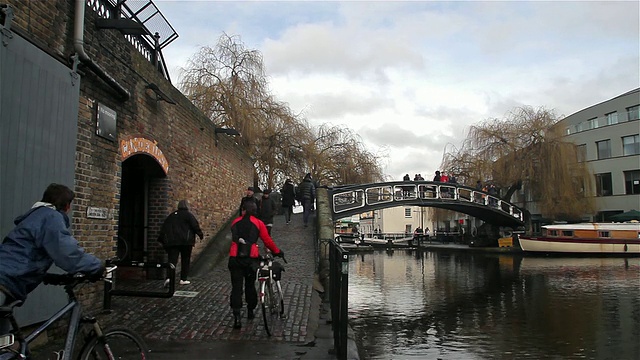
x=267 y=209
x=178 y=236
x=288 y=199
x=306 y=195
x=243 y=260
x=248 y=197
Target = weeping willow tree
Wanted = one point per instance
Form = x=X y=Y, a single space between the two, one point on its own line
x=280 y=149
x=338 y=156
x=229 y=84
x=526 y=149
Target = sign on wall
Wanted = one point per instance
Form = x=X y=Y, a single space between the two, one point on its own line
x=97 y=213
x=139 y=145
x=106 y=122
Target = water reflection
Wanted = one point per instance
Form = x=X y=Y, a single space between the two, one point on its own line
x=406 y=305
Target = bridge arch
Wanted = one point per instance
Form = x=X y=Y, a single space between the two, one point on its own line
x=356 y=199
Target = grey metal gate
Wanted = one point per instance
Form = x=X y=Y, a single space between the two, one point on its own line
x=38 y=126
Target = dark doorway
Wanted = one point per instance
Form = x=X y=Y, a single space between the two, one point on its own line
x=138 y=172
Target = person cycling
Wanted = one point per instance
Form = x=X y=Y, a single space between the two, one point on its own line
x=244 y=260
x=41 y=238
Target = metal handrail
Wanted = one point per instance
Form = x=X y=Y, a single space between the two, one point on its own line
x=339 y=296
x=109 y=291
x=353 y=199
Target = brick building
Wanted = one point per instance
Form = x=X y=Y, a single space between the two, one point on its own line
x=86 y=102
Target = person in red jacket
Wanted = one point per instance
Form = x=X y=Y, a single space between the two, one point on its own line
x=243 y=260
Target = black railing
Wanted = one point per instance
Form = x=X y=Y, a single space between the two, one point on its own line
x=110 y=290
x=157 y=34
x=339 y=296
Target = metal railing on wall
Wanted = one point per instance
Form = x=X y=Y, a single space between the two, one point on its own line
x=110 y=288
x=339 y=296
x=155 y=31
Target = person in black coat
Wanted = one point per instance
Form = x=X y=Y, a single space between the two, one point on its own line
x=178 y=236
x=306 y=195
x=288 y=199
x=267 y=209
x=248 y=197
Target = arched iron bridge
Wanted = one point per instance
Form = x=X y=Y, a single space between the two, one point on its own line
x=356 y=199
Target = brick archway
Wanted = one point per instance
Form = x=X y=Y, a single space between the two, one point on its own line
x=143 y=197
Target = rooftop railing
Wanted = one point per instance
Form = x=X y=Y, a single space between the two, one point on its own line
x=153 y=32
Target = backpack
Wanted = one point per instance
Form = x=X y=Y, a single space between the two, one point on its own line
x=298 y=194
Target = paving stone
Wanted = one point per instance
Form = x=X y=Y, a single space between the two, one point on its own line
x=207 y=316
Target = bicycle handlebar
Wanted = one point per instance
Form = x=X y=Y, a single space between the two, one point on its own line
x=74 y=279
x=271 y=256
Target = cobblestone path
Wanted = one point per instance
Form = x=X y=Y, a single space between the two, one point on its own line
x=206 y=316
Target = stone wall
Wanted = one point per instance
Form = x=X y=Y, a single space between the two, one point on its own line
x=212 y=177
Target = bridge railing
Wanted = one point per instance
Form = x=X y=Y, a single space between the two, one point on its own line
x=359 y=197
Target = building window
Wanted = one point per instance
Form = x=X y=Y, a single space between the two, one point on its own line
x=581 y=152
x=633 y=112
x=593 y=123
x=603 y=184
x=632 y=182
x=612 y=118
x=604 y=149
x=407 y=212
x=604 y=216
x=631 y=145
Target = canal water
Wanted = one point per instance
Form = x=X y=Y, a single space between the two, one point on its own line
x=407 y=304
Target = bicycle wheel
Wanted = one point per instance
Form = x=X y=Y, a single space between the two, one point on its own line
x=267 y=306
x=122 y=249
x=117 y=343
x=279 y=299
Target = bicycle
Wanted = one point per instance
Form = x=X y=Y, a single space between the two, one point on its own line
x=122 y=249
x=270 y=295
x=116 y=343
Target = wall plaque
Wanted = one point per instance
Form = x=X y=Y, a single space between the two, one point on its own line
x=97 y=213
x=106 y=122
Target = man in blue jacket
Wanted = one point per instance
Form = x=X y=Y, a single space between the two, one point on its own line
x=41 y=238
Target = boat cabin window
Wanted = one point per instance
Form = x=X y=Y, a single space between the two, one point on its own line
x=552 y=232
x=604 y=234
x=567 y=232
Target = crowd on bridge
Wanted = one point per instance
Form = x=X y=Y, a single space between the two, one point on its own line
x=441 y=176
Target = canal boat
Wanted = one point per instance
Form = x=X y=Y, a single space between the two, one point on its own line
x=586 y=238
x=349 y=240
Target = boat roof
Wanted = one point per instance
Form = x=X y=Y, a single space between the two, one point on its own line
x=595 y=226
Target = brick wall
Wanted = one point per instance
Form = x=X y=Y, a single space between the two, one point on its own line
x=212 y=178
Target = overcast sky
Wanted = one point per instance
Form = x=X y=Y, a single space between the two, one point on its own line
x=411 y=77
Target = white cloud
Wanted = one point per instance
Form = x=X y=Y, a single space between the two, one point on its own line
x=410 y=77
